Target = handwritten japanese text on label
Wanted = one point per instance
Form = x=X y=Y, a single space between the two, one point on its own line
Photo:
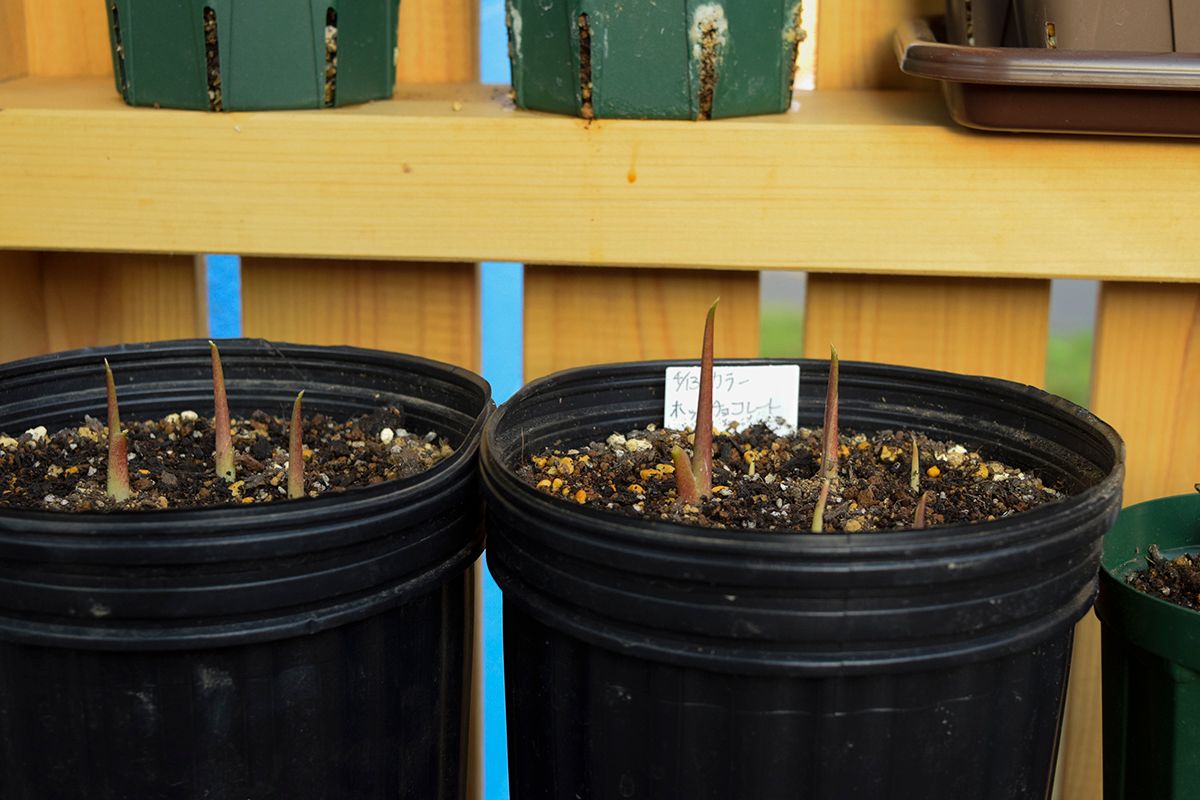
x=744 y=395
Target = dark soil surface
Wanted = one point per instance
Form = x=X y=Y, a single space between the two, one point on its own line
x=171 y=461
x=1176 y=580
x=212 y=60
x=763 y=481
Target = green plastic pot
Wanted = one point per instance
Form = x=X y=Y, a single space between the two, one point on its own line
x=691 y=59
x=270 y=54
x=1151 y=660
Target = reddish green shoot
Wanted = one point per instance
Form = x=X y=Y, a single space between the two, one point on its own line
x=830 y=443
x=296 y=453
x=914 y=478
x=919 y=517
x=694 y=480
x=118 y=453
x=685 y=479
x=224 y=454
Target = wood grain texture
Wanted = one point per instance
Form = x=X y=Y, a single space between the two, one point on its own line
x=93 y=299
x=1146 y=384
x=14 y=56
x=975 y=326
x=854 y=43
x=853 y=182
x=439 y=41
x=68 y=38
x=576 y=316
x=61 y=301
x=23 y=321
x=425 y=309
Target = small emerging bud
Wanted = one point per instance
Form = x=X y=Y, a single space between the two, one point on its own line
x=919 y=517
x=296 y=453
x=224 y=438
x=118 y=454
x=685 y=481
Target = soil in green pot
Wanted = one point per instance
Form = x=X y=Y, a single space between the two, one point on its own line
x=1176 y=580
x=171 y=460
x=764 y=481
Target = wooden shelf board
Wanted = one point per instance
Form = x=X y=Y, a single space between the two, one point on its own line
x=853 y=181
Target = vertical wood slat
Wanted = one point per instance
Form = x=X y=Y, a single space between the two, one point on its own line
x=61 y=301
x=976 y=326
x=582 y=315
x=23 y=323
x=14 y=56
x=854 y=43
x=67 y=38
x=438 y=41
x=1146 y=384
x=425 y=309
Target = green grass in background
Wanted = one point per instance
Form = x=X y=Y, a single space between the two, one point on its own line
x=1068 y=357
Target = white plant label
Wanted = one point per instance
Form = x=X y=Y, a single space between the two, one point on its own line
x=745 y=395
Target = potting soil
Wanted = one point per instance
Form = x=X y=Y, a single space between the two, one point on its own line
x=766 y=482
x=171 y=461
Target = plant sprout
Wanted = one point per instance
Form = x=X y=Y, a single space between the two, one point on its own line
x=118 y=454
x=919 y=517
x=224 y=454
x=830 y=443
x=914 y=479
x=296 y=454
x=693 y=480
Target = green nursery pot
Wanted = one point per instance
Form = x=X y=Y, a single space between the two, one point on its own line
x=268 y=54
x=691 y=59
x=1151 y=660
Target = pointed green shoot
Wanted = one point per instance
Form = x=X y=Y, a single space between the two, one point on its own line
x=296 y=453
x=225 y=468
x=118 y=453
x=830 y=444
x=702 y=448
x=685 y=481
x=914 y=478
x=919 y=517
x=818 y=524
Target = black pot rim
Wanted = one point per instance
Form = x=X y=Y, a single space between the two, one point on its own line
x=790 y=542
x=359 y=501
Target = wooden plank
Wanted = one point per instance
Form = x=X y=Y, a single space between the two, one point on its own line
x=438 y=42
x=93 y=299
x=68 y=38
x=14 y=56
x=23 y=321
x=576 y=316
x=1145 y=383
x=423 y=309
x=975 y=326
x=854 y=43
x=853 y=182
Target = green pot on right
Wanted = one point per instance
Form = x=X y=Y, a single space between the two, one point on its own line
x=641 y=59
x=1151 y=660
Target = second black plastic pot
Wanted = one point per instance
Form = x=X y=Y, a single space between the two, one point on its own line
x=651 y=659
x=318 y=648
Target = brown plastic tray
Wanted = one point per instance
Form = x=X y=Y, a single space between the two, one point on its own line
x=1056 y=91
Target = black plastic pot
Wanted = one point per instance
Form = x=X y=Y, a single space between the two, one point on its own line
x=318 y=648
x=650 y=659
